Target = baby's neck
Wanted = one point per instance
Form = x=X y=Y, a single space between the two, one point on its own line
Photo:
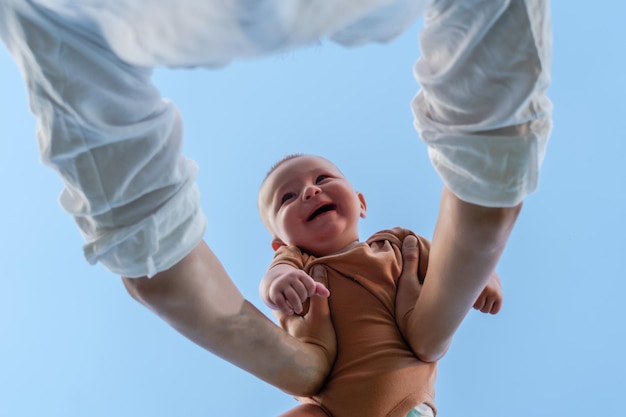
x=337 y=252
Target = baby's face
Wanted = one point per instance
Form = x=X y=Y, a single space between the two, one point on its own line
x=308 y=203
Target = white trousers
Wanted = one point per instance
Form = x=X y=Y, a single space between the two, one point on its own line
x=482 y=108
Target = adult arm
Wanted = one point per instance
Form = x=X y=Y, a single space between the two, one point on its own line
x=198 y=299
x=466 y=247
x=485 y=116
x=117 y=146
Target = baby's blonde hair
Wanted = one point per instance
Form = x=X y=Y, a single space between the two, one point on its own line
x=280 y=162
x=269 y=172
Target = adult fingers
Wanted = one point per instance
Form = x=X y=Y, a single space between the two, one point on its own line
x=317 y=319
x=318 y=273
x=409 y=286
x=410 y=257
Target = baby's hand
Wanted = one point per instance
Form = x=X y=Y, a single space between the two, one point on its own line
x=291 y=287
x=490 y=300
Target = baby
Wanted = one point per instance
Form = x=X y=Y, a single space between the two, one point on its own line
x=313 y=212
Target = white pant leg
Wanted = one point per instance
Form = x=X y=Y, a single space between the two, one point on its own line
x=115 y=143
x=482 y=109
x=104 y=128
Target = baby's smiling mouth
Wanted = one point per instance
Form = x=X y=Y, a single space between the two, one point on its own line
x=323 y=209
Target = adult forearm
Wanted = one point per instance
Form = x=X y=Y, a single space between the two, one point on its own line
x=199 y=300
x=467 y=244
x=252 y=342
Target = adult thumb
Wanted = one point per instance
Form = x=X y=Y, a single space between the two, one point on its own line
x=410 y=256
x=321 y=280
x=320 y=276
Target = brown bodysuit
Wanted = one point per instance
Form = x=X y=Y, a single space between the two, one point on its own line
x=375 y=373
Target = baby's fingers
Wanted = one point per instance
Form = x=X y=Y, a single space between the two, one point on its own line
x=493 y=307
x=295 y=297
x=283 y=305
x=310 y=287
x=480 y=303
x=321 y=290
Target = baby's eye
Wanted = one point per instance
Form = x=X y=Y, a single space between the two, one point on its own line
x=321 y=178
x=286 y=197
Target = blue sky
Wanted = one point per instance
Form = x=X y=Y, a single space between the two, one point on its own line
x=72 y=343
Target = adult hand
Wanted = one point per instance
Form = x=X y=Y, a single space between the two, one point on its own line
x=409 y=286
x=314 y=325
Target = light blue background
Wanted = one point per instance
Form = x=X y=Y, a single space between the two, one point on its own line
x=73 y=344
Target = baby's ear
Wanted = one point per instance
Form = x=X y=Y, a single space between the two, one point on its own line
x=277 y=243
x=363 y=204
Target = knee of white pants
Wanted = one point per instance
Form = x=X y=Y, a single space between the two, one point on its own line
x=483 y=109
x=491 y=169
x=154 y=244
x=485 y=64
x=115 y=143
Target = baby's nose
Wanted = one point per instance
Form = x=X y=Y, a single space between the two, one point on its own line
x=311 y=191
